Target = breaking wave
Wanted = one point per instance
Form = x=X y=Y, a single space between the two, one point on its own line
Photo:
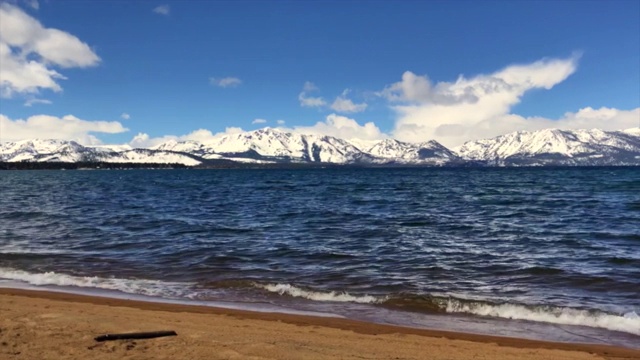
x=131 y=286
x=628 y=322
x=290 y=290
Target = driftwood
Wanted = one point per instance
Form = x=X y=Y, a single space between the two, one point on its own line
x=138 y=335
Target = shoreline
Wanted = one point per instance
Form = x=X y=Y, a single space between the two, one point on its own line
x=43 y=301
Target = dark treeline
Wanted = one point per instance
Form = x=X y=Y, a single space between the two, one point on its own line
x=28 y=165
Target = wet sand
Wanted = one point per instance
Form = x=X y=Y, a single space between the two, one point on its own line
x=49 y=325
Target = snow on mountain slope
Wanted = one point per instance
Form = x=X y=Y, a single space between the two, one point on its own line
x=189 y=147
x=150 y=157
x=402 y=152
x=274 y=143
x=553 y=146
x=42 y=150
x=544 y=147
x=268 y=145
x=70 y=151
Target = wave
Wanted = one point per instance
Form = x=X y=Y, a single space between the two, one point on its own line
x=145 y=287
x=628 y=322
x=293 y=291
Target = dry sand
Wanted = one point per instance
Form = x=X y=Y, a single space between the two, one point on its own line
x=38 y=325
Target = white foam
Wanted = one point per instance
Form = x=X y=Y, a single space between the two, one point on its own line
x=287 y=289
x=629 y=322
x=130 y=286
x=8 y=250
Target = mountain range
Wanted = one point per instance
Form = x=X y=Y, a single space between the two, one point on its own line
x=273 y=146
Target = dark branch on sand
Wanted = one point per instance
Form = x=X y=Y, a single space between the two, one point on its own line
x=138 y=335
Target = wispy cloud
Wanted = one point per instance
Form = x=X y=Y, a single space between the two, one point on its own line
x=259 y=121
x=225 y=82
x=34 y=4
x=125 y=116
x=33 y=101
x=162 y=10
x=310 y=101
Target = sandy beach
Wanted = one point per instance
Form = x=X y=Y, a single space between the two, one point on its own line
x=47 y=325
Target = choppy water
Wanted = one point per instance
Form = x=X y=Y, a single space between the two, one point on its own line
x=543 y=253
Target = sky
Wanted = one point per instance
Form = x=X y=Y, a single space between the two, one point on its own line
x=144 y=72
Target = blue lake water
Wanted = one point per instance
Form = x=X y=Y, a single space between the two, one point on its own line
x=549 y=253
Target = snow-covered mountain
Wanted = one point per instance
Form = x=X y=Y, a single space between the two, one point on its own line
x=70 y=151
x=431 y=152
x=544 y=147
x=273 y=145
x=557 y=147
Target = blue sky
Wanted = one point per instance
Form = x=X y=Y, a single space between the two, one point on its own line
x=178 y=66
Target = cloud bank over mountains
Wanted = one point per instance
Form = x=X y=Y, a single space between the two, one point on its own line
x=67 y=127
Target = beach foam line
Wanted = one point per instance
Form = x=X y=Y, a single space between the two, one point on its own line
x=293 y=291
x=145 y=287
x=628 y=322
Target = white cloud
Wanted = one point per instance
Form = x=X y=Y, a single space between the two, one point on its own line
x=344 y=128
x=28 y=51
x=67 y=127
x=259 y=121
x=125 y=116
x=162 y=9
x=280 y=122
x=453 y=112
x=225 y=82
x=342 y=104
x=309 y=101
x=143 y=140
x=32 y=101
x=608 y=119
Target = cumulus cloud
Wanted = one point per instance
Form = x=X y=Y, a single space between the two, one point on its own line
x=470 y=108
x=162 y=10
x=343 y=127
x=225 y=82
x=259 y=121
x=143 y=140
x=29 y=51
x=125 y=116
x=310 y=101
x=67 y=127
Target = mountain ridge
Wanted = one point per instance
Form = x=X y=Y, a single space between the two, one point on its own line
x=545 y=147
